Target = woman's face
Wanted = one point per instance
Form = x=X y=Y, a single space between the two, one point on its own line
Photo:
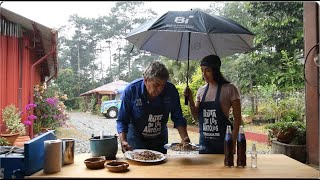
x=207 y=73
x=154 y=86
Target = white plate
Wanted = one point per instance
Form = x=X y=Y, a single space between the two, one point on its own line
x=129 y=155
x=198 y=147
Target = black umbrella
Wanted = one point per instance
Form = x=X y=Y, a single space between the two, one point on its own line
x=184 y=35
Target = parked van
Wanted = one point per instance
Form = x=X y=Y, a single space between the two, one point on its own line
x=111 y=108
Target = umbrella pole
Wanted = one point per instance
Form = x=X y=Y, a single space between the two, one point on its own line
x=187 y=97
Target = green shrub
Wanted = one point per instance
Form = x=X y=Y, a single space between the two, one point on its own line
x=83 y=105
x=12 y=120
x=185 y=108
x=73 y=103
x=291 y=115
x=299 y=136
x=105 y=98
x=4 y=142
x=92 y=105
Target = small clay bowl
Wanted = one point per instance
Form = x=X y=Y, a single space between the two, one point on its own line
x=117 y=166
x=95 y=163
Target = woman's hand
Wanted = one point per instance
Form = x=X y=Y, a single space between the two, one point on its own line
x=188 y=93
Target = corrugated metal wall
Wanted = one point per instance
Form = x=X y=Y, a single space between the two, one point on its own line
x=15 y=65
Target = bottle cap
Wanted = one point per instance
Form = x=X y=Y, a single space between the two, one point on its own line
x=253 y=146
x=241 y=131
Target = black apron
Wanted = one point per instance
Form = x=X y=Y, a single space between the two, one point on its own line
x=150 y=130
x=212 y=124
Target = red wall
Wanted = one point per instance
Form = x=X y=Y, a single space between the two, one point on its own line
x=9 y=73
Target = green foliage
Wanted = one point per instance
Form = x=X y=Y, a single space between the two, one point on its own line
x=92 y=105
x=105 y=98
x=73 y=103
x=185 y=108
x=290 y=74
x=4 y=142
x=279 y=105
x=97 y=109
x=12 y=120
x=178 y=69
x=194 y=85
x=84 y=106
x=292 y=108
x=196 y=81
x=72 y=84
x=299 y=136
x=289 y=111
x=280 y=24
x=275 y=59
x=66 y=82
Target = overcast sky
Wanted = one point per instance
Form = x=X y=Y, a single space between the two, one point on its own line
x=54 y=14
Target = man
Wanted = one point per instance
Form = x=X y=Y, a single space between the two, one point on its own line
x=145 y=108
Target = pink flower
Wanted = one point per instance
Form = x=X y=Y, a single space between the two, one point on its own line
x=32 y=117
x=27 y=122
x=29 y=106
x=52 y=101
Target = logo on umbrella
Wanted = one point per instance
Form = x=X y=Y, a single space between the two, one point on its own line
x=182 y=19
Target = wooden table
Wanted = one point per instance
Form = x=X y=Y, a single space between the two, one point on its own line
x=191 y=166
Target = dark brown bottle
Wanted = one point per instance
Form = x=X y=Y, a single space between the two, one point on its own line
x=228 y=148
x=241 y=148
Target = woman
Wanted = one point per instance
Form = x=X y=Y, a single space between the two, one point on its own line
x=212 y=106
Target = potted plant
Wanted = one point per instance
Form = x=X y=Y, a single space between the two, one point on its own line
x=12 y=120
x=287 y=132
x=289 y=138
x=4 y=142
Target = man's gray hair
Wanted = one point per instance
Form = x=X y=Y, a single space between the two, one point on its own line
x=156 y=70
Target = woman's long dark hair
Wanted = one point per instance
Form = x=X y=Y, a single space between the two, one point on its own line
x=218 y=77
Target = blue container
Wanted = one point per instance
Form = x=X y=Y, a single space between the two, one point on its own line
x=18 y=166
x=107 y=146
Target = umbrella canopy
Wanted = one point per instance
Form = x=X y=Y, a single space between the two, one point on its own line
x=111 y=88
x=184 y=35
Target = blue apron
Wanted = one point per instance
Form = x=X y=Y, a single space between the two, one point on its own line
x=212 y=124
x=150 y=130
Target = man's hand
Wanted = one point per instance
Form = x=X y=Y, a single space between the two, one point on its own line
x=125 y=146
x=185 y=140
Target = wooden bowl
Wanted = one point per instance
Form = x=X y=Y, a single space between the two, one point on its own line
x=95 y=163
x=117 y=166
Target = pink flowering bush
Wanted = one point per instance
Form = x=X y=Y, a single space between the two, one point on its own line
x=47 y=111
